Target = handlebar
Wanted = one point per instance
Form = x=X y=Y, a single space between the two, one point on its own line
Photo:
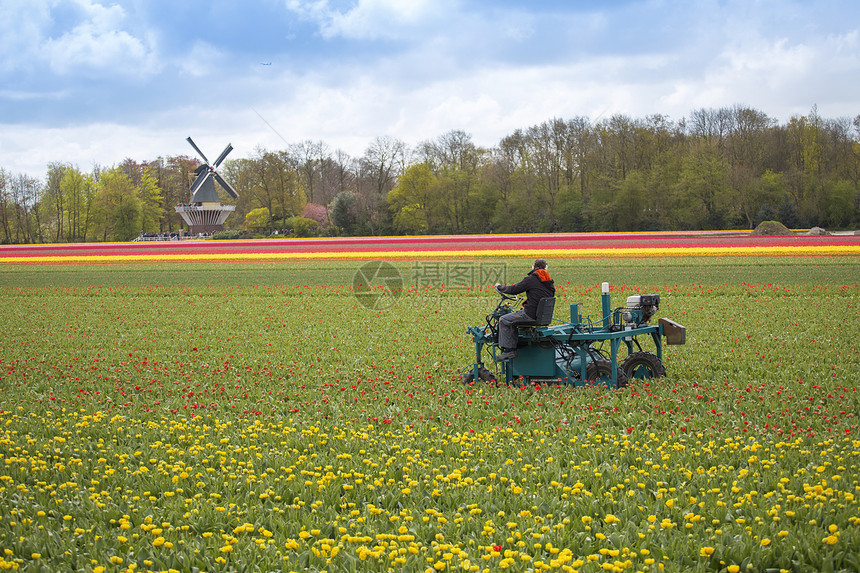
x=506 y=296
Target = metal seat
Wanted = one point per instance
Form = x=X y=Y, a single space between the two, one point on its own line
x=544 y=313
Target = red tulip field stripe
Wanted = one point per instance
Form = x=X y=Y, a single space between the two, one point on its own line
x=473 y=246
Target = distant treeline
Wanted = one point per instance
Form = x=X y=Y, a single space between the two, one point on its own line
x=716 y=169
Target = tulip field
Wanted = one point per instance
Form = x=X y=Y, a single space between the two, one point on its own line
x=251 y=414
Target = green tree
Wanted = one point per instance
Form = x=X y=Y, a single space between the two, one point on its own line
x=630 y=205
x=174 y=175
x=701 y=200
x=118 y=206
x=455 y=161
x=838 y=203
x=53 y=199
x=344 y=211
x=6 y=206
x=79 y=190
x=151 y=202
x=273 y=183
x=258 y=219
x=415 y=200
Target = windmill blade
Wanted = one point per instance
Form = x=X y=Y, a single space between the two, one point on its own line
x=201 y=168
x=227 y=187
x=198 y=182
x=197 y=149
x=224 y=154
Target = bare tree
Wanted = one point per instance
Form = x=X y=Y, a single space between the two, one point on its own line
x=382 y=163
x=338 y=176
x=25 y=193
x=5 y=205
x=310 y=159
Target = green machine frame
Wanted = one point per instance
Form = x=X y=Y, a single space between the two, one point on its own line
x=573 y=352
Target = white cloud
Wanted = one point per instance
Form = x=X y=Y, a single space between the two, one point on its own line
x=21 y=31
x=201 y=61
x=439 y=66
x=776 y=76
x=99 y=43
x=371 y=19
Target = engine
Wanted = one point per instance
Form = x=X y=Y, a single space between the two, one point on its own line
x=640 y=308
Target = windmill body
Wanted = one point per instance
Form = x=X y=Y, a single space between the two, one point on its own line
x=205 y=213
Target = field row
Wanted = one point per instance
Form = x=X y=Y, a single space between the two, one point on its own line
x=559 y=245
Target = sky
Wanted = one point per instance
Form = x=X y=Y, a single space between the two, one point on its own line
x=93 y=82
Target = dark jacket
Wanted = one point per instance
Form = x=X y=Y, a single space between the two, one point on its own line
x=536 y=285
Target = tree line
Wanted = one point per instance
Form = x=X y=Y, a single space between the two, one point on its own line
x=715 y=169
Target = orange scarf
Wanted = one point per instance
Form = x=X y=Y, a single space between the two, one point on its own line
x=542 y=274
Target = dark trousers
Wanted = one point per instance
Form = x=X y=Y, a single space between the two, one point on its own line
x=508 y=328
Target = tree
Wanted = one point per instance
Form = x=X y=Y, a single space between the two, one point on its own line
x=79 y=190
x=268 y=179
x=344 y=211
x=509 y=174
x=700 y=197
x=580 y=161
x=630 y=205
x=24 y=192
x=455 y=160
x=118 y=206
x=6 y=206
x=413 y=201
x=258 y=219
x=838 y=204
x=550 y=157
x=311 y=162
x=338 y=175
x=174 y=176
x=151 y=209
x=53 y=194
x=728 y=166
x=317 y=212
x=379 y=168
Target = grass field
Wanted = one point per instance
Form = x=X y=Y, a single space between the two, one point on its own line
x=258 y=417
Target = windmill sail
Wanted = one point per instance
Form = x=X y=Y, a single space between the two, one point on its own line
x=203 y=188
x=197 y=149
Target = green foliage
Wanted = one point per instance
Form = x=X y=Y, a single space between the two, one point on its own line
x=151 y=210
x=232 y=235
x=344 y=211
x=301 y=226
x=416 y=201
x=118 y=207
x=258 y=219
x=80 y=191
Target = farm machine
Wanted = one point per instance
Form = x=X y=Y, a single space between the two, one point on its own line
x=581 y=352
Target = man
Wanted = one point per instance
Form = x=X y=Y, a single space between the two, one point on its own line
x=536 y=285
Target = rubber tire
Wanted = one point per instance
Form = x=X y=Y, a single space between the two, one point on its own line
x=642 y=365
x=600 y=370
x=484 y=375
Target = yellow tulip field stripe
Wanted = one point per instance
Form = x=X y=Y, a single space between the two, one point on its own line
x=842 y=250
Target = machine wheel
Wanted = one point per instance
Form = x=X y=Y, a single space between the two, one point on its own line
x=600 y=371
x=484 y=375
x=643 y=365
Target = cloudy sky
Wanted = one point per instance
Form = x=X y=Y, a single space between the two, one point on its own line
x=95 y=81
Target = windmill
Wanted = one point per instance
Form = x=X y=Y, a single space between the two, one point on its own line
x=205 y=213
